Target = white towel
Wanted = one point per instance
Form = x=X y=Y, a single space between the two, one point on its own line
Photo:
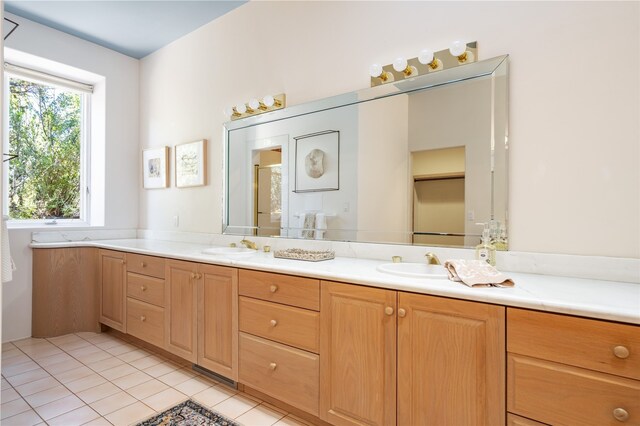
x=308 y=226
x=5 y=252
x=321 y=225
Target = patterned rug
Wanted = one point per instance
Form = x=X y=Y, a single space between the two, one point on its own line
x=188 y=413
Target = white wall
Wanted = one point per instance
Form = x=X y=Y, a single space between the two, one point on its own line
x=574 y=175
x=122 y=152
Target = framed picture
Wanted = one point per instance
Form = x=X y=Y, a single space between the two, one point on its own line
x=155 y=163
x=191 y=164
x=318 y=162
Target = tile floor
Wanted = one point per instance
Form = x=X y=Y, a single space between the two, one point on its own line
x=98 y=379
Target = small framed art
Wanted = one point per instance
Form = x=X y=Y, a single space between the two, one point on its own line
x=318 y=162
x=155 y=164
x=191 y=164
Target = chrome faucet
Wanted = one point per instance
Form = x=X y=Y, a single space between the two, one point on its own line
x=432 y=259
x=249 y=244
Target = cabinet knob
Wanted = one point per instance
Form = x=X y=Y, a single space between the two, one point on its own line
x=143 y=318
x=143 y=287
x=273 y=366
x=273 y=323
x=402 y=313
x=143 y=264
x=273 y=288
x=198 y=275
x=388 y=310
x=621 y=352
x=192 y=275
x=621 y=414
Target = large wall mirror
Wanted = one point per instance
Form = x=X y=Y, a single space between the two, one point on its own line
x=419 y=161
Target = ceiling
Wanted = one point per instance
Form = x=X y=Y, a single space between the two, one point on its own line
x=134 y=28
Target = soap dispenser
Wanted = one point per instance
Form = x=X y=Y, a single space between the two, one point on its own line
x=485 y=250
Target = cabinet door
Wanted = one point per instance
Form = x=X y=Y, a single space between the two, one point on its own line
x=357 y=355
x=113 y=296
x=218 y=320
x=451 y=362
x=181 y=309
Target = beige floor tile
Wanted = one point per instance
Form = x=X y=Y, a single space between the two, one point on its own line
x=94 y=357
x=112 y=403
x=28 y=418
x=235 y=406
x=214 y=395
x=54 y=359
x=47 y=396
x=63 y=366
x=72 y=346
x=291 y=421
x=86 y=382
x=194 y=385
x=161 y=369
x=105 y=364
x=67 y=338
x=37 y=386
x=176 y=377
x=7 y=346
x=147 y=389
x=165 y=399
x=5 y=385
x=121 y=349
x=20 y=358
x=74 y=374
x=131 y=380
x=98 y=392
x=29 y=341
x=260 y=416
x=12 y=408
x=9 y=395
x=146 y=362
x=107 y=344
x=38 y=352
x=119 y=371
x=100 y=421
x=10 y=353
x=15 y=369
x=78 y=416
x=130 y=414
x=29 y=376
x=89 y=335
x=84 y=350
x=133 y=355
x=59 y=407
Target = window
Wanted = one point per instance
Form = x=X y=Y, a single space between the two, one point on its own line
x=48 y=120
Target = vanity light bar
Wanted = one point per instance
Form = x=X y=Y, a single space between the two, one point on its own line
x=427 y=61
x=255 y=107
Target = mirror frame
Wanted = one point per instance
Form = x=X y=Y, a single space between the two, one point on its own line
x=465 y=72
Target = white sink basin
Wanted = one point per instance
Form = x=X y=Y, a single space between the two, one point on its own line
x=229 y=251
x=415 y=270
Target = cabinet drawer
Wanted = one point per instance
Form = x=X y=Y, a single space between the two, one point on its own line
x=286 y=373
x=145 y=322
x=146 y=289
x=145 y=265
x=597 y=345
x=513 y=420
x=564 y=395
x=285 y=324
x=286 y=289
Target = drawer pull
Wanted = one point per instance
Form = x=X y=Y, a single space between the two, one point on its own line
x=388 y=310
x=193 y=275
x=402 y=313
x=273 y=288
x=143 y=318
x=621 y=414
x=621 y=352
x=143 y=288
x=273 y=323
x=273 y=366
x=144 y=265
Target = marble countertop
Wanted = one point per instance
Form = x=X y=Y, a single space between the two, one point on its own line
x=610 y=300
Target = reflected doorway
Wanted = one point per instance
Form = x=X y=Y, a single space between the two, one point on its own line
x=268 y=192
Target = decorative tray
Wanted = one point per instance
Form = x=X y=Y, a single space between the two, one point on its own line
x=307 y=255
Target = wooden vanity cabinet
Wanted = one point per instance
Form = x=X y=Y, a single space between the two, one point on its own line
x=449 y=358
x=112 y=273
x=181 y=304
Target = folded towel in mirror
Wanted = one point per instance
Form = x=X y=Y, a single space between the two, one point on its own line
x=476 y=273
x=308 y=226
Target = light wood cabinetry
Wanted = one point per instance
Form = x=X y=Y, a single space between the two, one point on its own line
x=66 y=291
x=564 y=370
x=513 y=420
x=218 y=320
x=284 y=310
x=145 y=321
x=113 y=296
x=357 y=355
x=451 y=357
x=181 y=305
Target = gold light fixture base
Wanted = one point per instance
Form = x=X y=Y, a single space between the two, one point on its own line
x=280 y=101
x=442 y=60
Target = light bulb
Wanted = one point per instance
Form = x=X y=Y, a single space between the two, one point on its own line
x=457 y=48
x=375 y=70
x=400 y=64
x=227 y=111
x=253 y=103
x=241 y=108
x=425 y=56
x=268 y=101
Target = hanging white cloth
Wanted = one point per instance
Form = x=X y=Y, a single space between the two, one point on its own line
x=5 y=252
